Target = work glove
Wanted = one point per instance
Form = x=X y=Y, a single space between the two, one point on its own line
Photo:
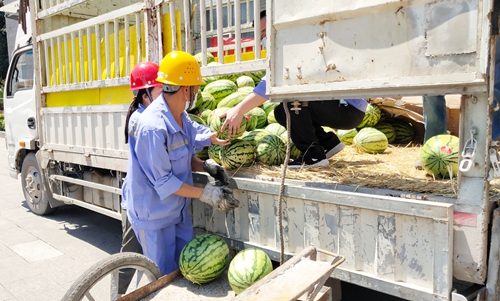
x=220 y=197
x=216 y=171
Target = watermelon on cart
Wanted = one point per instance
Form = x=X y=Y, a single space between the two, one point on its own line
x=238 y=153
x=271 y=150
x=439 y=156
x=372 y=116
x=204 y=258
x=370 y=140
x=248 y=267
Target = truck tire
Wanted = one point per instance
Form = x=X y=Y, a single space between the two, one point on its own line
x=82 y=287
x=34 y=186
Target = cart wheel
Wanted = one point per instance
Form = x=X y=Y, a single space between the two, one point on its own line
x=100 y=281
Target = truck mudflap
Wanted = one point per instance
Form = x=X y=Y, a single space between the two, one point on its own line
x=398 y=246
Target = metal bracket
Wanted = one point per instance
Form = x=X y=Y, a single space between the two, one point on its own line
x=296 y=108
x=495 y=170
x=469 y=152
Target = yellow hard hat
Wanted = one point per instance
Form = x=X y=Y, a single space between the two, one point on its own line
x=179 y=68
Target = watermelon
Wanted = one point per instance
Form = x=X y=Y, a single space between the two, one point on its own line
x=402 y=129
x=370 y=140
x=384 y=114
x=204 y=258
x=256 y=76
x=261 y=116
x=328 y=129
x=214 y=152
x=247 y=267
x=216 y=125
x=199 y=58
x=271 y=118
x=254 y=136
x=275 y=128
x=269 y=106
x=205 y=100
x=252 y=122
x=346 y=136
x=203 y=154
x=220 y=89
x=439 y=156
x=232 y=99
x=245 y=81
x=196 y=118
x=271 y=150
x=203 y=114
x=215 y=114
x=294 y=151
x=246 y=89
x=238 y=153
x=388 y=130
x=372 y=116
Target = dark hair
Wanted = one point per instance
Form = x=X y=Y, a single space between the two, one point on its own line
x=131 y=109
x=262 y=16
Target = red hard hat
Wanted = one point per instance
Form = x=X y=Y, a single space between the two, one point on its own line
x=144 y=76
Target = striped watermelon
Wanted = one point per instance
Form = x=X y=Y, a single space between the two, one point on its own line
x=261 y=116
x=238 y=153
x=388 y=130
x=205 y=100
x=346 y=136
x=372 y=116
x=269 y=106
x=294 y=151
x=256 y=76
x=246 y=89
x=402 y=129
x=271 y=150
x=371 y=141
x=214 y=152
x=254 y=136
x=215 y=114
x=271 y=118
x=196 y=118
x=248 y=267
x=384 y=114
x=275 y=128
x=439 y=154
x=203 y=114
x=252 y=122
x=232 y=99
x=245 y=81
x=199 y=58
x=203 y=154
x=204 y=258
x=220 y=89
x=216 y=125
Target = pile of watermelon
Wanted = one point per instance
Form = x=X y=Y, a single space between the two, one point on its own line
x=206 y=257
x=377 y=130
x=260 y=137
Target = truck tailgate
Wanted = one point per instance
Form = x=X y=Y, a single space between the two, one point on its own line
x=398 y=246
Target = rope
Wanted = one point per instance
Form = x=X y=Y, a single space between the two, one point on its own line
x=282 y=186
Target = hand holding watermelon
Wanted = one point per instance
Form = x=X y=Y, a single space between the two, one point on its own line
x=220 y=197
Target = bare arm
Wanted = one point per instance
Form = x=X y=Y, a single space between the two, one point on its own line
x=234 y=116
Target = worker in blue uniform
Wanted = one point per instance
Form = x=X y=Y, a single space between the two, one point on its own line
x=159 y=178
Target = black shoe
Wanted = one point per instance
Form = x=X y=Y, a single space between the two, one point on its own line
x=334 y=150
x=306 y=161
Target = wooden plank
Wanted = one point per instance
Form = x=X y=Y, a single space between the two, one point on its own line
x=292 y=283
x=150 y=288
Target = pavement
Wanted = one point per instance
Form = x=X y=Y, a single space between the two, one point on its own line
x=42 y=256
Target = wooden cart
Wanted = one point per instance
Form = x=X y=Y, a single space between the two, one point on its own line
x=300 y=278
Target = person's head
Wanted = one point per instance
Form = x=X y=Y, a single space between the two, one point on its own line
x=145 y=88
x=262 y=25
x=143 y=82
x=180 y=73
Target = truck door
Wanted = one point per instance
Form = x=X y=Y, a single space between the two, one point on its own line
x=20 y=106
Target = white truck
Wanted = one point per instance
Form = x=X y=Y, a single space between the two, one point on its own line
x=66 y=98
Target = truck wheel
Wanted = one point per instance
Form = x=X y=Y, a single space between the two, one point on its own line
x=34 y=187
x=100 y=281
